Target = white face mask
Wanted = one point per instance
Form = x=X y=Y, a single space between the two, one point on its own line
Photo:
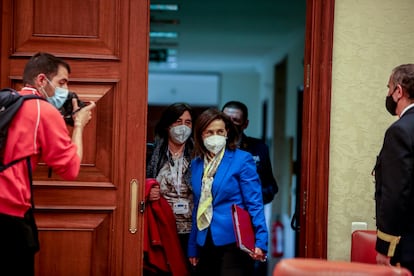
x=215 y=143
x=179 y=134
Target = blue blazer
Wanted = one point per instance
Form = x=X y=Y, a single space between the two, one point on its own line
x=236 y=181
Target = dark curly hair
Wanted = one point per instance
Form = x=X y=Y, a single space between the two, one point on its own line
x=169 y=116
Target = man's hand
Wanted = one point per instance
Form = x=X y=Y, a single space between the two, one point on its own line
x=258 y=255
x=193 y=261
x=382 y=259
x=82 y=116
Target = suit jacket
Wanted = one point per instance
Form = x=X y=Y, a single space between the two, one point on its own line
x=260 y=153
x=394 y=187
x=236 y=181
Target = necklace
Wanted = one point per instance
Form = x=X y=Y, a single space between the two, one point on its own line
x=177 y=153
x=175 y=149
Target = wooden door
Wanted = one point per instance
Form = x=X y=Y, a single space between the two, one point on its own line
x=91 y=226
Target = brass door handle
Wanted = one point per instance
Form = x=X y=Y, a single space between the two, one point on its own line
x=134 y=206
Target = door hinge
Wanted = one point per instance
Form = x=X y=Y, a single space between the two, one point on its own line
x=307 y=84
x=304 y=203
x=141 y=207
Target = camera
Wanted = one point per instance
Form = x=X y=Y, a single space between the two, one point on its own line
x=67 y=108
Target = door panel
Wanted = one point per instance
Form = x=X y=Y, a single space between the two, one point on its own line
x=84 y=239
x=84 y=225
x=75 y=28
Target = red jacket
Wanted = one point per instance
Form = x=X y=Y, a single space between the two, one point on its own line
x=37 y=130
x=161 y=243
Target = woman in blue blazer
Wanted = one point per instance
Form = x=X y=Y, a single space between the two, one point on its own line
x=223 y=175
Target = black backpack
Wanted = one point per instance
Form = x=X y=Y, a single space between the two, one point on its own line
x=10 y=102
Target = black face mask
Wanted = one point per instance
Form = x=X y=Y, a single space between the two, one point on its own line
x=391 y=105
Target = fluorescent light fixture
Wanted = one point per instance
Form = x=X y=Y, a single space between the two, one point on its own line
x=164 y=7
x=163 y=34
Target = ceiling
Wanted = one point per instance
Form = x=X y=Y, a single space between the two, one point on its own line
x=222 y=35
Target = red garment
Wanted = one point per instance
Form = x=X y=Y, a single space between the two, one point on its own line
x=161 y=242
x=37 y=130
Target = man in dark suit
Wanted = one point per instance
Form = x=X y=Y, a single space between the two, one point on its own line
x=394 y=175
x=238 y=113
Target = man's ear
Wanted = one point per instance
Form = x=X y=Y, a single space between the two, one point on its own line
x=41 y=80
x=400 y=90
x=246 y=124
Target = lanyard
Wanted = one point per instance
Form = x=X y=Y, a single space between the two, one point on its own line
x=177 y=173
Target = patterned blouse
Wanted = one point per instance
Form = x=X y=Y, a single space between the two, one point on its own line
x=173 y=174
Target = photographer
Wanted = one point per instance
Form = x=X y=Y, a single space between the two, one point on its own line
x=37 y=131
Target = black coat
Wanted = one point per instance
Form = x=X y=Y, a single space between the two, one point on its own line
x=394 y=187
x=260 y=153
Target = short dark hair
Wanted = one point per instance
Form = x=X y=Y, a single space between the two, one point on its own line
x=203 y=121
x=169 y=116
x=404 y=76
x=238 y=105
x=44 y=63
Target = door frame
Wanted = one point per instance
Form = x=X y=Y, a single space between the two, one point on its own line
x=314 y=182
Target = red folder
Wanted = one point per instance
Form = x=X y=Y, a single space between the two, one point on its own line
x=243 y=229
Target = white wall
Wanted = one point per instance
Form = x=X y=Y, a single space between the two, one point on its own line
x=197 y=89
x=244 y=87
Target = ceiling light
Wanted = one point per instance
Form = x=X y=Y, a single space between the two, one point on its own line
x=164 y=7
x=163 y=34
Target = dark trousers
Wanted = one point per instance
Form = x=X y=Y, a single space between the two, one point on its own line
x=184 y=245
x=227 y=260
x=18 y=245
x=184 y=242
x=260 y=268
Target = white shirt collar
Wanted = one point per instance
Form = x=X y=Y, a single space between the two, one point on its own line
x=405 y=109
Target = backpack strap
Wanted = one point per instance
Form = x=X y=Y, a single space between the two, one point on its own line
x=6 y=166
x=15 y=104
x=13 y=110
x=33 y=96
